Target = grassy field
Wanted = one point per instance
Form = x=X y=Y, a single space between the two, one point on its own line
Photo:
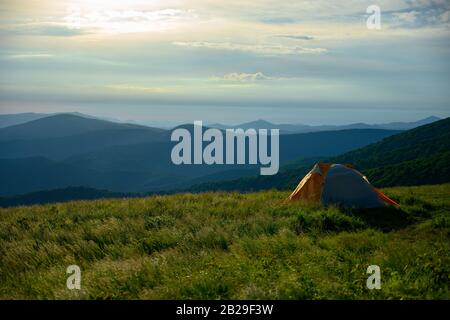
x=228 y=246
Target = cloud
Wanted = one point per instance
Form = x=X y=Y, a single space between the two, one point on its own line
x=445 y=17
x=86 y=19
x=127 y=21
x=263 y=49
x=29 y=55
x=244 y=77
x=296 y=37
x=420 y=14
x=42 y=29
x=236 y=85
x=408 y=17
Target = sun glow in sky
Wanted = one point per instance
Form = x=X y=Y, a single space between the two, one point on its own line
x=116 y=18
x=226 y=61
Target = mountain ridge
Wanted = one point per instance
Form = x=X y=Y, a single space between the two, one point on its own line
x=7 y=120
x=303 y=128
x=60 y=125
x=125 y=158
x=419 y=154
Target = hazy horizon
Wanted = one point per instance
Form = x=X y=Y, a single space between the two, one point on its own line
x=171 y=124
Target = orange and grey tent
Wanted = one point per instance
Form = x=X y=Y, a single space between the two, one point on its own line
x=339 y=184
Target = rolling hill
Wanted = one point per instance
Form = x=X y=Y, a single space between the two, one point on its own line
x=61 y=148
x=7 y=120
x=228 y=246
x=61 y=136
x=156 y=155
x=62 y=125
x=27 y=175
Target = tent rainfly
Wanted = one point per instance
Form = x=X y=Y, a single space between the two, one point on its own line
x=341 y=185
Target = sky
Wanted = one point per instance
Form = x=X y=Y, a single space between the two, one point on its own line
x=228 y=61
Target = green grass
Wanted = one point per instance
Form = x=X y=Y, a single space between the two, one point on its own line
x=228 y=246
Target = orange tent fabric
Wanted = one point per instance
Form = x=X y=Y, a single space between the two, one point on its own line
x=386 y=198
x=310 y=188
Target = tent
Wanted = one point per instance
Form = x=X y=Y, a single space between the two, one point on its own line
x=339 y=184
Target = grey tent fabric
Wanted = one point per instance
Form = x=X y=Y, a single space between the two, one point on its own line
x=349 y=188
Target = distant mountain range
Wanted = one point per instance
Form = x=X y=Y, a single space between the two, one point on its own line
x=414 y=157
x=7 y=120
x=67 y=150
x=302 y=128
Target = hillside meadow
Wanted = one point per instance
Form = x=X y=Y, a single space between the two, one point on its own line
x=228 y=246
